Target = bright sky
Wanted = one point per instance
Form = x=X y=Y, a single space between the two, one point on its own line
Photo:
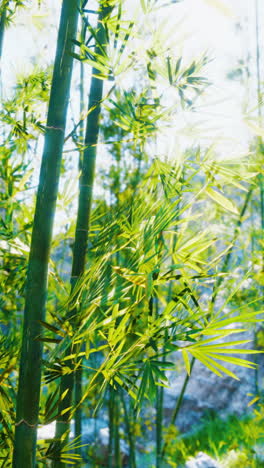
x=195 y=27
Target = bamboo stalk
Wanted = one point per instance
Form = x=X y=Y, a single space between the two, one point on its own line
x=78 y=374
x=159 y=420
x=117 y=451
x=111 y=423
x=129 y=421
x=260 y=149
x=2 y=29
x=31 y=355
x=160 y=447
x=83 y=215
x=159 y=414
x=259 y=99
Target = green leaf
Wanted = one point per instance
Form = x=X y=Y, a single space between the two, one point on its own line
x=222 y=200
x=186 y=361
x=169 y=71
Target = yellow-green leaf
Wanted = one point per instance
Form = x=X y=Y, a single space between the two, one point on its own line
x=221 y=200
x=186 y=361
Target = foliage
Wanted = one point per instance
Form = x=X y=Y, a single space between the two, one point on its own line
x=120 y=313
x=160 y=233
x=9 y=7
x=233 y=441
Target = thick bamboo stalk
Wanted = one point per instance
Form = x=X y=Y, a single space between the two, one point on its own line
x=114 y=454
x=31 y=355
x=2 y=30
x=117 y=451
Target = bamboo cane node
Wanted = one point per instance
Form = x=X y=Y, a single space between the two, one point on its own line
x=23 y=421
x=49 y=127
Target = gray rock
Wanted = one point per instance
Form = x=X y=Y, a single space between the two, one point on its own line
x=202 y=460
x=206 y=391
x=96 y=436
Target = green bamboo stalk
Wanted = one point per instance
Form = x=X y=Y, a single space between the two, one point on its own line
x=260 y=149
x=117 y=451
x=259 y=99
x=31 y=355
x=2 y=32
x=258 y=60
x=129 y=421
x=159 y=420
x=78 y=374
x=111 y=417
x=89 y=159
x=159 y=415
x=84 y=210
x=2 y=29
x=160 y=391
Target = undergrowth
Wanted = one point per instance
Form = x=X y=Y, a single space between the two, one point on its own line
x=234 y=442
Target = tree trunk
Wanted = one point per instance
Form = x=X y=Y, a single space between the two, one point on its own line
x=31 y=355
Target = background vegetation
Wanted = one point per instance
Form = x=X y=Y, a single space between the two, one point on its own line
x=154 y=258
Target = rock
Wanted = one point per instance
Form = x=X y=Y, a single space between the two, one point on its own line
x=208 y=392
x=202 y=460
x=96 y=438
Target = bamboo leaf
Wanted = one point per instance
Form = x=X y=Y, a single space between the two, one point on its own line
x=254 y=400
x=204 y=361
x=222 y=200
x=234 y=360
x=186 y=361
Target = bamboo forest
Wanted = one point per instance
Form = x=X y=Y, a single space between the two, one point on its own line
x=132 y=233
